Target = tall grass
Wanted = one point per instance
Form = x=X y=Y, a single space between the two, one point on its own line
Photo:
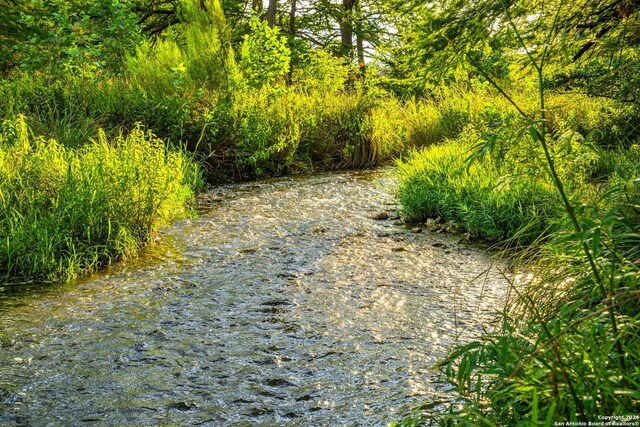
x=245 y=133
x=65 y=211
x=498 y=202
x=428 y=121
x=555 y=355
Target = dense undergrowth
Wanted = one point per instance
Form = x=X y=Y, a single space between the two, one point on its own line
x=566 y=347
x=242 y=134
x=64 y=212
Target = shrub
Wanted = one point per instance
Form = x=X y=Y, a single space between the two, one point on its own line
x=340 y=132
x=265 y=55
x=266 y=131
x=294 y=130
x=321 y=72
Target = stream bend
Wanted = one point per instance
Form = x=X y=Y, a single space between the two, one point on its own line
x=284 y=303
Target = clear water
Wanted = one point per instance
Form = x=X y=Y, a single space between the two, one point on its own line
x=284 y=303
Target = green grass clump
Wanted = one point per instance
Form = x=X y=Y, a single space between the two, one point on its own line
x=428 y=121
x=272 y=134
x=608 y=124
x=566 y=348
x=64 y=211
x=490 y=201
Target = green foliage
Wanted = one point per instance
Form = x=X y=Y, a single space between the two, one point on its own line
x=195 y=56
x=604 y=122
x=566 y=347
x=427 y=121
x=496 y=202
x=63 y=212
x=244 y=133
x=298 y=131
x=591 y=45
x=267 y=131
x=56 y=109
x=11 y=30
x=340 y=134
x=76 y=36
x=554 y=356
x=321 y=72
x=265 y=55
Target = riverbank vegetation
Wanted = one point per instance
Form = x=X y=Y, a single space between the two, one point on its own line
x=515 y=120
x=556 y=178
x=64 y=212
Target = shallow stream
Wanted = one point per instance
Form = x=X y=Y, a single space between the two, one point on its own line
x=283 y=303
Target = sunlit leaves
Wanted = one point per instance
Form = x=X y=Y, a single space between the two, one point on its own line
x=265 y=55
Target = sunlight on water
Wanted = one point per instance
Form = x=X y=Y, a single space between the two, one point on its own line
x=285 y=303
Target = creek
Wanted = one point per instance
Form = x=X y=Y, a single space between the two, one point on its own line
x=283 y=303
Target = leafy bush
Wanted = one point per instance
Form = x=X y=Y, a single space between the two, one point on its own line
x=321 y=72
x=63 y=212
x=266 y=131
x=340 y=133
x=566 y=347
x=265 y=55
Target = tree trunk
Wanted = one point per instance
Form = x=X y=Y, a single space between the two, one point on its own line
x=359 y=39
x=346 y=29
x=292 y=33
x=292 y=17
x=360 y=48
x=271 y=13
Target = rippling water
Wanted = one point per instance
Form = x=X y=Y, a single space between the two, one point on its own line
x=284 y=303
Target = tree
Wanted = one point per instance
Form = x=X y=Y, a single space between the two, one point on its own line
x=593 y=44
x=155 y=16
x=345 y=20
x=60 y=34
x=271 y=13
x=12 y=30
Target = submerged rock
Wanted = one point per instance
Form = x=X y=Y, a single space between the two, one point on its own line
x=380 y=216
x=185 y=406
